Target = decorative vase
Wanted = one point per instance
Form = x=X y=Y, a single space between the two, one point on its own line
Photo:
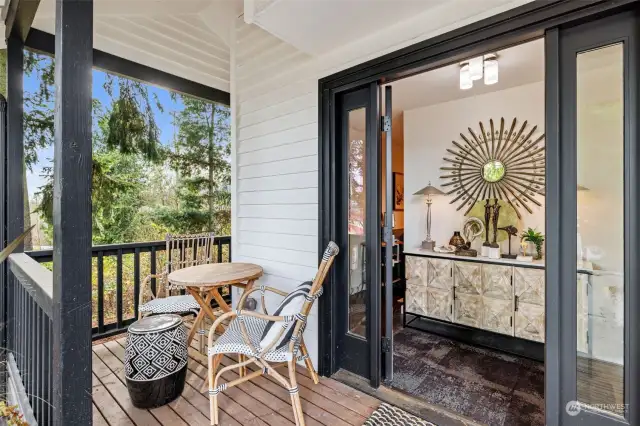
x=457 y=240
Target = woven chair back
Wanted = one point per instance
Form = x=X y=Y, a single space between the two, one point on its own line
x=184 y=251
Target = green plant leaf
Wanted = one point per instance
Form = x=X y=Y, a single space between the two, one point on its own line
x=14 y=244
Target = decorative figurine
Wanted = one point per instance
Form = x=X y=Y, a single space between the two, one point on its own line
x=536 y=238
x=487 y=219
x=511 y=231
x=494 y=220
x=524 y=257
x=471 y=229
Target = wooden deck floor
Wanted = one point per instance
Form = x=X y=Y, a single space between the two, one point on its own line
x=329 y=403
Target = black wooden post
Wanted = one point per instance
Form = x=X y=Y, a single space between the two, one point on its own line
x=72 y=213
x=15 y=145
x=12 y=168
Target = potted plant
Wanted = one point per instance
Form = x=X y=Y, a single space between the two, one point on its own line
x=10 y=413
x=536 y=238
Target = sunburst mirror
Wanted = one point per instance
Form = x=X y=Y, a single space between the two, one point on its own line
x=497 y=163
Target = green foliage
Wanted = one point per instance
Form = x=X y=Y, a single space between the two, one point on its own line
x=131 y=126
x=201 y=161
x=535 y=237
x=38 y=106
x=141 y=190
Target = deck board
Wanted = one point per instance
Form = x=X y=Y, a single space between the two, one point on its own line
x=260 y=402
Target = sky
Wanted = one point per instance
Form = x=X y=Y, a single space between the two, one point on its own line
x=163 y=120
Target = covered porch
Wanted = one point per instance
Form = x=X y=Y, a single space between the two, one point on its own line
x=261 y=401
x=52 y=313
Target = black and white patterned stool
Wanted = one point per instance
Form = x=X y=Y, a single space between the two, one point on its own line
x=155 y=360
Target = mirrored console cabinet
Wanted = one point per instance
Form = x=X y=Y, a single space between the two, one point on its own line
x=499 y=296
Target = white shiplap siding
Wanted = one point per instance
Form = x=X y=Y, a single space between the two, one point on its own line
x=276 y=151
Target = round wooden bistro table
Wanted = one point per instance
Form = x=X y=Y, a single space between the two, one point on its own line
x=206 y=279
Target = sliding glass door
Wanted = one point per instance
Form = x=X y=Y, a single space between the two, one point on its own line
x=592 y=215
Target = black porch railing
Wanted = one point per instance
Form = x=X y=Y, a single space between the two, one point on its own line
x=28 y=308
x=118 y=271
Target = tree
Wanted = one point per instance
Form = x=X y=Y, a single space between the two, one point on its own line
x=125 y=136
x=201 y=160
x=37 y=121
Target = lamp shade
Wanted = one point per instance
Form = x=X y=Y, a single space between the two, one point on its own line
x=490 y=71
x=476 y=68
x=429 y=190
x=465 y=78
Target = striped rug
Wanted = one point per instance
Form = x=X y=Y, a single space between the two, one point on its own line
x=388 y=415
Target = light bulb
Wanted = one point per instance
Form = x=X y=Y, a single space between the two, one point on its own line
x=490 y=71
x=465 y=78
x=475 y=68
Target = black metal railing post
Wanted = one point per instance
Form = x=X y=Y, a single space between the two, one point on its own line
x=110 y=321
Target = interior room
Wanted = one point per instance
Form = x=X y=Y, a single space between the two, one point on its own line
x=469 y=305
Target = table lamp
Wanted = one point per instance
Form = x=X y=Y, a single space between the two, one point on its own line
x=428 y=191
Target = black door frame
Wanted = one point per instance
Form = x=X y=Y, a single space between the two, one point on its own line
x=357 y=353
x=621 y=28
x=525 y=23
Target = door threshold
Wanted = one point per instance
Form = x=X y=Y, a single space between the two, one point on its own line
x=404 y=401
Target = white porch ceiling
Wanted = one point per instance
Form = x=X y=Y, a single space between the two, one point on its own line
x=317 y=26
x=187 y=38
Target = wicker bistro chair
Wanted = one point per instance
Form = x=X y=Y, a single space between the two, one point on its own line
x=182 y=251
x=262 y=339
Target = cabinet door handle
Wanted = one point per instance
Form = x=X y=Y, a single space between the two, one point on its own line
x=511 y=322
x=454 y=293
x=517 y=303
x=451 y=309
x=451 y=271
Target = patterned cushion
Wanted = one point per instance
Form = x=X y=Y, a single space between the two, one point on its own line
x=291 y=305
x=171 y=304
x=231 y=341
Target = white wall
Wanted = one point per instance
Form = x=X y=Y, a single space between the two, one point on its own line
x=275 y=184
x=428 y=132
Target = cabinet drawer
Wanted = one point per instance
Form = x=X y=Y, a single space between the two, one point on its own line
x=416 y=268
x=468 y=278
x=439 y=304
x=467 y=310
x=440 y=274
x=529 y=285
x=416 y=299
x=497 y=315
x=496 y=282
x=529 y=322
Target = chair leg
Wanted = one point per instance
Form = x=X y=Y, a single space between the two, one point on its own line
x=216 y=364
x=295 y=395
x=308 y=363
x=242 y=370
x=213 y=398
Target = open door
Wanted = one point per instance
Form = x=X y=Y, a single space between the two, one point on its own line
x=593 y=297
x=358 y=176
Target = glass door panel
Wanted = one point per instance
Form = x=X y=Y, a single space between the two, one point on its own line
x=592 y=263
x=358 y=233
x=357 y=147
x=600 y=224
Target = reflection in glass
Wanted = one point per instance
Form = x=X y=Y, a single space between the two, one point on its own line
x=600 y=167
x=357 y=213
x=493 y=171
